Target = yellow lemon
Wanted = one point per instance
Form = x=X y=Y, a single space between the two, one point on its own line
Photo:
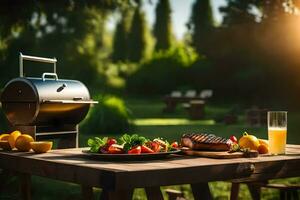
x=41 y=146
x=13 y=137
x=249 y=141
x=4 y=137
x=23 y=142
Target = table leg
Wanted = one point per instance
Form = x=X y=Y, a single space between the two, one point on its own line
x=116 y=195
x=170 y=107
x=254 y=191
x=5 y=175
x=87 y=192
x=235 y=188
x=201 y=191
x=154 y=193
x=25 y=186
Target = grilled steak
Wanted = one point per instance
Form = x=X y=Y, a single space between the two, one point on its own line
x=202 y=141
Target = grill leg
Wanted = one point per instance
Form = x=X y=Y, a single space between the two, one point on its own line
x=68 y=141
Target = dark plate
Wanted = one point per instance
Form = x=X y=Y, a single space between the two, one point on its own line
x=121 y=157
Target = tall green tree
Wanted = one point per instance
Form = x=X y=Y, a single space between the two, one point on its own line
x=120 y=43
x=163 y=27
x=239 y=12
x=201 y=24
x=138 y=36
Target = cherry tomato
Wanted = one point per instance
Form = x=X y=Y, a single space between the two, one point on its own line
x=111 y=141
x=146 y=149
x=233 y=139
x=135 y=150
x=174 y=145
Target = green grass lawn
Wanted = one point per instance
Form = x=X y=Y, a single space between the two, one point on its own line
x=151 y=122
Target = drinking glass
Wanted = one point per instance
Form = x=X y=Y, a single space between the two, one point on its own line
x=277 y=131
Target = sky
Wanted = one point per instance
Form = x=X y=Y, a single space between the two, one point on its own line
x=181 y=11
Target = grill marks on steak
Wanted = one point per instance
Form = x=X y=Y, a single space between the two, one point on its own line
x=202 y=141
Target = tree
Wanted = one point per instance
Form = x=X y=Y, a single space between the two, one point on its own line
x=138 y=36
x=71 y=31
x=201 y=24
x=163 y=27
x=120 y=44
x=238 y=12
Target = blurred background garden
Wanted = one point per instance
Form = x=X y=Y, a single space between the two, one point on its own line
x=131 y=53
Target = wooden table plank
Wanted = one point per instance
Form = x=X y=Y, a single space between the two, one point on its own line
x=71 y=165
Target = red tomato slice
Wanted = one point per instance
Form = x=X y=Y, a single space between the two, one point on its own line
x=174 y=145
x=114 y=150
x=155 y=146
x=233 y=139
x=135 y=150
x=111 y=141
x=145 y=149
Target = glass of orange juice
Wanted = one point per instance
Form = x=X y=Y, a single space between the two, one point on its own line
x=277 y=131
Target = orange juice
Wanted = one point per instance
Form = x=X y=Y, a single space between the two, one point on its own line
x=277 y=140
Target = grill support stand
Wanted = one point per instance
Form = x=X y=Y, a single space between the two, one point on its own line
x=67 y=136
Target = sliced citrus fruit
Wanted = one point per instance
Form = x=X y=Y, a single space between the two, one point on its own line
x=23 y=142
x=4 y=145
x=263 y=149
x=41 y=146
x=263 y=141
x=13 y=137
x=4 y=137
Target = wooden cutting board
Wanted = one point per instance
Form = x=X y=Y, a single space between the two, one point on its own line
x=220 y=154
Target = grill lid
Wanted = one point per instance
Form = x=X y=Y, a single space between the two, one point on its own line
x=44 y=90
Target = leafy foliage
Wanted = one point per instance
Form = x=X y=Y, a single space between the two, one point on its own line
x=73 y=32
x=138 y=36
x=163 y=27
x=164 y=72
x=110 y=116
x=120 y=44
x=96 y=143
x=238 y=12
x=201 y=24
x=129 y=141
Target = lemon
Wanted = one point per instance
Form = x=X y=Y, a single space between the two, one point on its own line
x=4 y=145
x=41 y=146
x=249 y=141
x=4 y=137
x=13 y=137
x=23 y=142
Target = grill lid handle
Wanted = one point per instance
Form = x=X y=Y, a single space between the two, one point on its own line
x=49 y=74
x=37 y=59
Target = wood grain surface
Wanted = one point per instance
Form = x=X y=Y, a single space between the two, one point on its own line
x=220 y=154
x=72 y=166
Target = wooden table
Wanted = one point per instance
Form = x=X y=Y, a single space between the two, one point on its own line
x=171 y=102
x=118 y=179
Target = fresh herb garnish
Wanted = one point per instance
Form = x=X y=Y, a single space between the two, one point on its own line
x=130 y=141
x=96 y=143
